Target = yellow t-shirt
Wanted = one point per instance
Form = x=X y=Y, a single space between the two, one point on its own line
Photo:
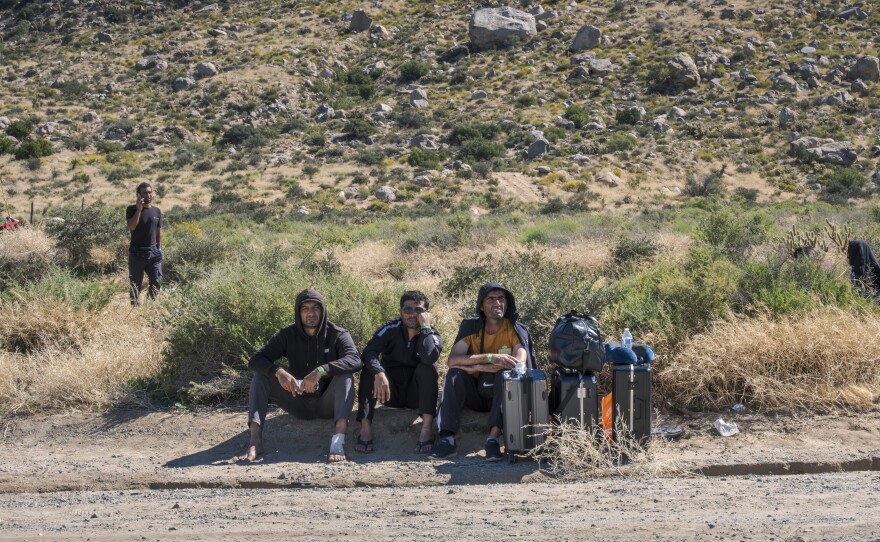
x=500 y=342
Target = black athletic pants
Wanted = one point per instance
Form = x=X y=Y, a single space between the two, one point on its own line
x=333 y=400
x=411 y=387
x=463 y=390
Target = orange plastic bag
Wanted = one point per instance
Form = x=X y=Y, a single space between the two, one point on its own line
x=606 y=414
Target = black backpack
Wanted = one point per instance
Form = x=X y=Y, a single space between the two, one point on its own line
x=577 y=344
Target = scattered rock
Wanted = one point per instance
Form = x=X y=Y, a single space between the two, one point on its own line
x=787 y=118
x=677 y=112
x=786 y=82
x=478 y=95
x=114 y=134
x=491 y=28
x=423 y=181
x=608 y=179
x=327 y=73
x=152 y=62
x=104 y=37
x=838 y=97
x=866 y=68
x=543 y=170
x=360 y=21
x=579 y=73
x=206 y=69
x=91 y=116
x=418 y=98
x=382 y=109
x=183 y=83
x=217 y=33
x=386 y=194
x=537 y=148
x=683 y=71
x=827 y=151
x=588 y=37
x=602 y=67
x=424 y=141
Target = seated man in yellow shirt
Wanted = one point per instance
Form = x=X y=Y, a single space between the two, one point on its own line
x=486 y=345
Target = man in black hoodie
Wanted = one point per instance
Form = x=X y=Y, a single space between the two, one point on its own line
x=318 y=382
x=486 y=345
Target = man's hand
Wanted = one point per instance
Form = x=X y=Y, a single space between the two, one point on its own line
x=381 y=388
x=425 y=318
x=140 y=202
x=287 y=382
x=503 y=361
x=310 y=382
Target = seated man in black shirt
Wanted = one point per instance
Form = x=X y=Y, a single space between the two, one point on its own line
x=144 y=251
x=400 y=370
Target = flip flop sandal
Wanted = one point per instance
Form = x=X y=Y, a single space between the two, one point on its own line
x=337 y=447
x=424 y=447
x=364 y=446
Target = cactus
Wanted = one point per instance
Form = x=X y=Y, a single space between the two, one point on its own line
x=839 y=235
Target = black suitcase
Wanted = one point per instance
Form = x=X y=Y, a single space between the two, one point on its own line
x=631 y=400
x=525 y=409
x=575 y=398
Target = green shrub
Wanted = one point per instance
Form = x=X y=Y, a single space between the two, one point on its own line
x=630 y=252
x=474 y=150
x=358 y=129
x=369 y=157
x=619 y=141
x=630 y=115
x=844 y=181
x=712 y=184
x=61 y=285
x=20 y=129
x=554 y=133
x=557 y=232
x=411 y=118
x=246 y=136
x=460 y=133
x=6 y=145
x=315 y=138
x=734 y=234
x=577 y=114
x=189 y=253
x=95 y=226
x=359 y=84
x=36 y=148
x=424 y=159
x=412 y=70
x=224 y=318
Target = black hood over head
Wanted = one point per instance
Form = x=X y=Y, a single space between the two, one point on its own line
x=511 y=313
x=312 y=295
x=863 y=264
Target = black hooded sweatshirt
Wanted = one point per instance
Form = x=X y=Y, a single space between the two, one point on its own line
x=331 y=347
x=865 y=269
x=475 y=324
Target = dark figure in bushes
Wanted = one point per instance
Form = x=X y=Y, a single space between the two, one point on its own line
x=145 y=251
x=486 y=345
x=865 y=272
x=400 y=370
x=318 y=381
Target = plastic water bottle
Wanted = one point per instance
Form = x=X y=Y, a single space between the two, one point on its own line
x=521 y=367
x=626 y=340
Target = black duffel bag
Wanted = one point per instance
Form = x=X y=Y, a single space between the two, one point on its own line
x=577 y=344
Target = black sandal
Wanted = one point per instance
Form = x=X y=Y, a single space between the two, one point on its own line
x=424 y=446
x=364 y=446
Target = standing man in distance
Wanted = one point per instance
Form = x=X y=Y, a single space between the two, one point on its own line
x=145 y=249
x=400 y=370
x=486 y=345
x=318 y=381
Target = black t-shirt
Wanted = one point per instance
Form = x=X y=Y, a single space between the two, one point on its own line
x=144 y=235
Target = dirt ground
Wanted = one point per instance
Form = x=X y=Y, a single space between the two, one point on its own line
x=169 y=476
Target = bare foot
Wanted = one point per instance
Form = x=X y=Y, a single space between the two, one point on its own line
x=337 y=449
x=337 y=458
x=252 y=455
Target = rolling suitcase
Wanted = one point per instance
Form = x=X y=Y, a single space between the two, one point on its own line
x=631 y=395
x=526 y=411
x=575 y=398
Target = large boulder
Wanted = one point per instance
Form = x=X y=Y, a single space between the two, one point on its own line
x=491 y=28
x=152 y=62
x=386 y=194
x=866 y=68
x=587 y=37
x=206 y=69
x=787 y=118
x=360 y=21
x=183 y=83
x=537 y=148
x=683 y=71
x=827 y=151
x=418 y=98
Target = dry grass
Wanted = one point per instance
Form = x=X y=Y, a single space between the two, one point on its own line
x=572 y=452
x=26 y=245
x=828 y=357
x=78 y=360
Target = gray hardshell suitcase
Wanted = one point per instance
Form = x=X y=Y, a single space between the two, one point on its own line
x=575 y=398
x=631 y=410
x=526 y=410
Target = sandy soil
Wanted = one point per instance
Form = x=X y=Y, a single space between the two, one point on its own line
x=169 y=476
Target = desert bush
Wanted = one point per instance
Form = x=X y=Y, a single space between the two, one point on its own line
x=802 y=361
x=358 y=129
x=557 y=232
x=576 y=114
x=26 y=256
x=476 y=150
x=190 y=252
x=249 y=137
x=6 y=145
x=734 y=234
x=630 y=115
x=424 y=159
x=356 y=83
x=83 y=232
x=844 y=182
x=711 y=184
x=630 y=253
x=412 y=70
x=619 y=141
x=239 y=305
x=410 y=118
x=20 y=129
x=37 y=148
x=460 y=133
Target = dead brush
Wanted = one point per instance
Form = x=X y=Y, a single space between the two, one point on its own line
x=26 y=244
x=574 y=452
x=91 y=368
x=826 y=358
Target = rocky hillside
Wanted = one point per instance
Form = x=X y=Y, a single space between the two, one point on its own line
x=294 y=106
